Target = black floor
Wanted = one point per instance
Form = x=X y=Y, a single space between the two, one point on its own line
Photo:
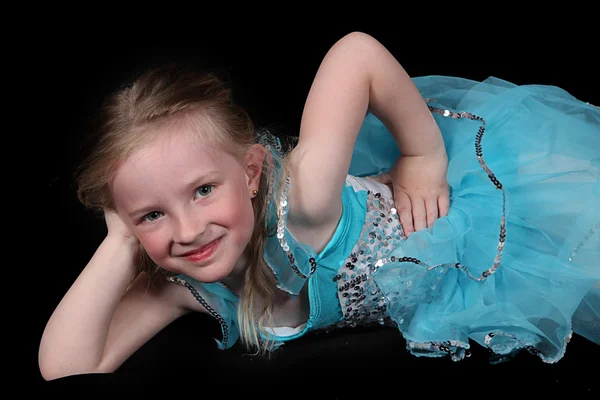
x=341 y=363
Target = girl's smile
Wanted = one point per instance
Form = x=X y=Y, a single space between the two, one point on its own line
x=203 y=252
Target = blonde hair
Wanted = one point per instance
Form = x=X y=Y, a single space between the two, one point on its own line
x=172 y=95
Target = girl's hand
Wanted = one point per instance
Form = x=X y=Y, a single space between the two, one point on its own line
x=420 y=188
x=116 y=226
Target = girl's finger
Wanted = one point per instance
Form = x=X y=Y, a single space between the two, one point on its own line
x=419 y=213
x=443 y=204
x=404 y=208
x=431 y=209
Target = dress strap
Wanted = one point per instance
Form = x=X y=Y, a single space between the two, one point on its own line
x=291 y=261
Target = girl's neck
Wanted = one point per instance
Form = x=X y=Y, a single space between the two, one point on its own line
x=235 y=280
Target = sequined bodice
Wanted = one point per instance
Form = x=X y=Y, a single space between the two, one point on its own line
x=360 y=299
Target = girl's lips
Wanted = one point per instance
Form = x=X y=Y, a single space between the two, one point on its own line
x=203 y=252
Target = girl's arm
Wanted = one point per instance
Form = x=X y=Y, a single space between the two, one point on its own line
x=100 y=322
x=358 y=75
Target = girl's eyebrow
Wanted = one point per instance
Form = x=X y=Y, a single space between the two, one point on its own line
x=188 y=186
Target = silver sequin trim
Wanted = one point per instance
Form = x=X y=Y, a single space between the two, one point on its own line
x=502 y=236
x=586 y=237
x=283 y=202
x=532 y=349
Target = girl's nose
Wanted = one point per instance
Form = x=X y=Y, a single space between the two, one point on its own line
x=188 y=229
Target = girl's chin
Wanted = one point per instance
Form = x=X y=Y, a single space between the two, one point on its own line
x=210 y=274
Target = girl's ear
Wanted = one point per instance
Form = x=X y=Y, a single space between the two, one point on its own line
x=253 y=162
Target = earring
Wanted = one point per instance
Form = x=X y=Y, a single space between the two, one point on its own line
x=254 y=193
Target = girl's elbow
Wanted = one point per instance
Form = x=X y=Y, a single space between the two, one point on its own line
x=357 y=36
x=52 y=369
x=361 y=41
x=53 y=372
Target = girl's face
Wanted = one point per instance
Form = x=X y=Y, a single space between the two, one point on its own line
x=189 y=204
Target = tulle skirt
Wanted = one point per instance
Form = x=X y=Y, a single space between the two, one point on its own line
x=528 y=283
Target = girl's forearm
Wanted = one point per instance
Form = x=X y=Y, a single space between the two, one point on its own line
x=77 y=330
x=396 y=101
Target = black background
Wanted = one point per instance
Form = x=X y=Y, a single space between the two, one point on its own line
x=66 y=76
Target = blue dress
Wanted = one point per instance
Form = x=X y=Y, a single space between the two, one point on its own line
x=515 y=265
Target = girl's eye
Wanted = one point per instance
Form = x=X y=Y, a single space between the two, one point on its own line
x=203 y=190
x=152 y=216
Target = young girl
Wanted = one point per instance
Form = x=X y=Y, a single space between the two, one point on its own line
x=454 y=210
